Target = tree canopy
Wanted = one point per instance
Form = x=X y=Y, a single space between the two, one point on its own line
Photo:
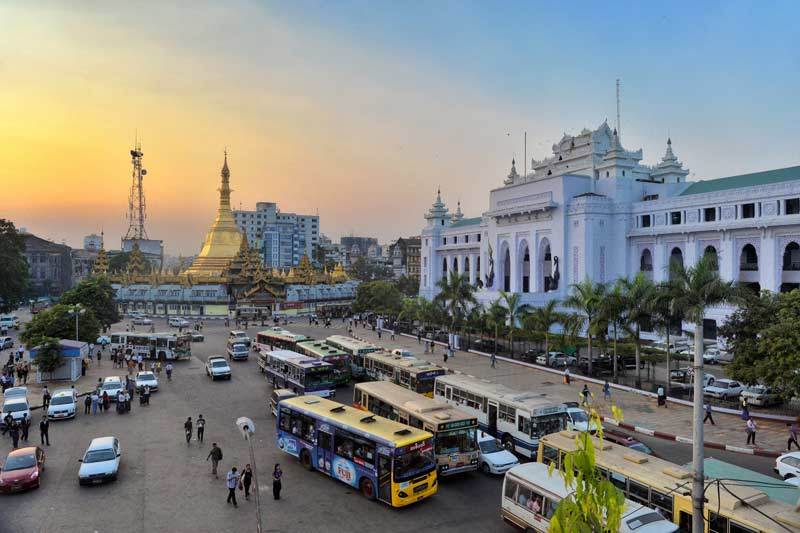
x=57 y=322
x=97 y=295
x=380 y=297
x=119 y=263
x=13 y=267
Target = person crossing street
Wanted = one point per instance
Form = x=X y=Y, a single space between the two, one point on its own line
x=187 y=427
x=201 y=427
x=216 y=456
x=44 y=430
x=232 y=481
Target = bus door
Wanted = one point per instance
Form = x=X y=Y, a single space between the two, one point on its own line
x=492 y=423
x=384 y=478
x=324 y=450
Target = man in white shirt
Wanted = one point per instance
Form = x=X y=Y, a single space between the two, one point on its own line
x=231 y=481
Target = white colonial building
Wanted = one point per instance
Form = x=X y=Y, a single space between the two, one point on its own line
x=593 y=209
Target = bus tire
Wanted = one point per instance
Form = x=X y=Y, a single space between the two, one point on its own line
x=508 y=443
x=367 y=488
x=305 y=460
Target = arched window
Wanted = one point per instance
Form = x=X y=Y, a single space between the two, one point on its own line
x=507 y=271
x=466 y=266
x=711 y=253
x=545 y=265
x=791 y=256
x=676 y=259
x=646 y=261
x=525 y=270
x=455 y=264
x=748 y=260
x=444 y=266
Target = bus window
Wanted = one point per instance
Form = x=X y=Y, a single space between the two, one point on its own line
x=619 y=481
x=357 y=398
x=717 y=523
x=524 y=424
x=286 y=415
x=416 y=422
x=343 y=445
x=449 y=391
x=365 y=451
x=549 y=455
x=511 y=489
x=662 y=503
x=439 y=388
x=549 y=508
x=737 y=528
x=603 y=472
x=639 y=493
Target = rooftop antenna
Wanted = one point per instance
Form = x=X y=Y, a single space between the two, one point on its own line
x=136 y=202
x=619 y=125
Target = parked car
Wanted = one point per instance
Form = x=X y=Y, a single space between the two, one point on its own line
x=198 y=337
x=177 y=322
x=142 y=321
x=6 y=342
x=787 y=465
x=112 y=385
x=684 y=375
x=217 y=367
x=724 y=389
x=762 y=395
x=22 y=469
x=135 y=314
x=101 y=461
x=618 y=437
x=63 y=404
x=541 y=359
x=146 y=378
x=239 y=336
x=237 y=351
x=15 y=402
x=494 y=458
x=9 y=321
x=560 y=359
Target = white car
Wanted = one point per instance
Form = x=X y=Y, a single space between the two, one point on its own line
x=176 y=322
x=402 y=352
x=63 y=404
x=494 y=458
x=238 y=351
x=6 y=342
x=239 y=336
x=724 y=389
x=787 y=465
x=761 y=395
x=101 y=461
x=146 y=378
x=17 y=407
x=217 y=367
x=142 y=321
x=578 y=420
x=112 y=385
x=9 y=321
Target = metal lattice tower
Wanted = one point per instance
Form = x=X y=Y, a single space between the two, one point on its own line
x=137 y=212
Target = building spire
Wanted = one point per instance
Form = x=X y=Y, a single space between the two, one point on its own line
x=512 y=176
x=458 y=215
x=225 y=187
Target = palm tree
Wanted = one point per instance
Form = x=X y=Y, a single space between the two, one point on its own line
x=637 y=299
x=496 y=316
x=698 y=288
x=571 y=324
x=544 y=318
x=514 y=311
x=612 y=309
x=587 y=297
x=665 y=315
x=456 y=294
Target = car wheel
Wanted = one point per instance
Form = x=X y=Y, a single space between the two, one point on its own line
x=485 y=468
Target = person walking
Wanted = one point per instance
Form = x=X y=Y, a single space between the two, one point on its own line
x=566 y=376
x=201 y=427
x=751 y=431
x=493 y=359
x=106 y=401
x=232 y=481
x=95 y=401
x=745 y=408
x=793 y=436
x=87 y=404
x=127 y=401
x=247 y=480
x=585 y=395
x=14 y=431
x=45 y=398
x=662 y=396
x=708 y=414
x=168 y=368
x=44 y=430
x=216 y=456
x=607 y=391
x=277 y=474
x=187 y=427
x=25 y=426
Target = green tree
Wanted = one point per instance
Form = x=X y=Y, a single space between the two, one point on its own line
x=496 y=316
x=380 y=297
x=456 y=294
x=665 y=314
x=58 y=323
x=742 y=332
x=97 y=295
x=119 y=263
x=543 y=319
x=698 y=288
x=48 y=357
x=13 y=267
x=407 y=285
x=515 y=310
x=637 y=297
x=612 y=309
x=586 y=298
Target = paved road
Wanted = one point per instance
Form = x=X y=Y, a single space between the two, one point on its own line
x=166 y=485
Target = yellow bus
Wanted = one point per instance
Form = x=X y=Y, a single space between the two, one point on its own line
x=409 y=372
x=667 y=487
x=455 y=433
x=383 y=459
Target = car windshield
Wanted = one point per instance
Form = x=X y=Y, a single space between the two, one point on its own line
x=757 y=390
x=219 y=364
x=62 y=400
x=578 y=416
x=15 y=407
x=98 y=456
x=111 y=385
x=146 y=377
x=458 y=441
x=18 y=462
x=414 y=460
x=239 y=348
x=643 y=519
x=491 y=446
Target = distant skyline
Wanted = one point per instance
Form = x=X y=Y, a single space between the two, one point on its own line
x=360 y=110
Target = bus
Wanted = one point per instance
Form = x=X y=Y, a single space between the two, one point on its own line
x=161 y=346
x=280 y=339
x=290 y=370
x=383 y=459
x=531 y=494
x=409 y=372
x=325 y=352
x=732 y=507
x=455 y=433
x=356 y=349
x=518 y=419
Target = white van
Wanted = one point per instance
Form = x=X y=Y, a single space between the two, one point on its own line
x=9 y=321
x=531 y=495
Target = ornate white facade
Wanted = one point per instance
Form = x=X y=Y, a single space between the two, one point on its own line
x=593 y=209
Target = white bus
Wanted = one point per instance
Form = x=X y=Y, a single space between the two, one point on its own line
x=414 y=374
x=279 y=339
x=356 y=349
x=517 y=418
x=531 y=495
x=301 y=374
x=153 y=345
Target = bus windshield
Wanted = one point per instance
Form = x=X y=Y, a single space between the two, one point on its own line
x=460 y=440
x=414 y=460
x=318 y=376
x=544 y=425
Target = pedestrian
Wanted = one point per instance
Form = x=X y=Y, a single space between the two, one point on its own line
x=127 y=401
x=139 y=362
x=247 y=480
x=201 y=427
x=153 y=367
x=751 y=431
x=87 y=404
x=708 y=414
x=662 y=396
x=44 y=428
x=99 y=354
x=607 y=391
x=793 y=435
x=45 y=398
x=585 y=395
x=216 y=456
x=493 y=359
x=379 y=334
x=168 y=368
x=277 y=473
x=187 y=427
x=106 y=401
x=566 y=376
x=26 y=367
x=232 y=481
x=444 y=356
x=14 y=435
x=745 y=408
x=158 y=368
x=95 y=401
x=25 y=426
x=419 y=337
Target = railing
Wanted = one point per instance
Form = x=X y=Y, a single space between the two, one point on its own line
x=791 y=265
x=748 y=267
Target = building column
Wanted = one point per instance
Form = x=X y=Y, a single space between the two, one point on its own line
x=514 y=285
x=472 y=266
x=461 y=265
x=768 y=270
x=660 y=262
x=728 y=259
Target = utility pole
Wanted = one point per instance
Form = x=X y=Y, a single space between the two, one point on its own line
x=698 y=481
x=248 y=428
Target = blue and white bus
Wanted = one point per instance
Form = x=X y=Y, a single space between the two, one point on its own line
x=302 y=374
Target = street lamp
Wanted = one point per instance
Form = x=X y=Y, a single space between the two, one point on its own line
x=248 y=429
x=76 y=310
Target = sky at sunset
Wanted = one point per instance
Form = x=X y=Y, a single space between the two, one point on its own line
x=359 y=110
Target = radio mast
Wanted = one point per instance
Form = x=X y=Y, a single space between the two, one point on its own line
x=137 y=211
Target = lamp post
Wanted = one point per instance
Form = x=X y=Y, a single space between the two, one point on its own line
x=76 y=310
x=247 y=427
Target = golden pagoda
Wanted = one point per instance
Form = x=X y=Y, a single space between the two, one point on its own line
x=223 y=241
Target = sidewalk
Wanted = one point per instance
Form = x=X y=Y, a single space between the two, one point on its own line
x=640 y=412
